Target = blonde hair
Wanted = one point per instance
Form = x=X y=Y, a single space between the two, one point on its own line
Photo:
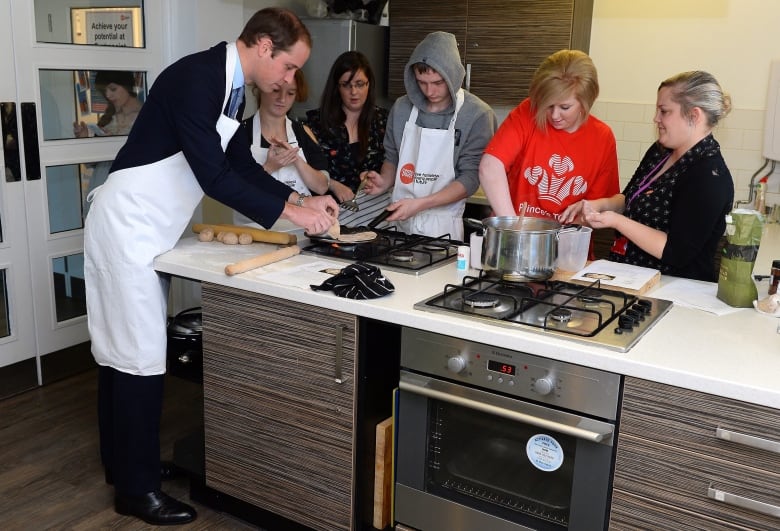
x=560 y=74
x=697 y=88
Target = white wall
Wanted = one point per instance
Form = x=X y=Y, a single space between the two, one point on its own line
x=636 y=44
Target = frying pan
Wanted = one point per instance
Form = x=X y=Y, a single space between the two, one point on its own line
x=324 y=238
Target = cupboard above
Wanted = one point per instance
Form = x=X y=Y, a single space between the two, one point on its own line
x=501 y=43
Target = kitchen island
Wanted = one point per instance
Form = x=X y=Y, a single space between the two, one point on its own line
x=734 y=356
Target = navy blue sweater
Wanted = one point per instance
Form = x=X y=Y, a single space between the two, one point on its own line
x=181 y=114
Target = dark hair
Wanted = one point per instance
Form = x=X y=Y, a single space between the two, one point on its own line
x=124 y=79
x=331 y=105
x=282 y=26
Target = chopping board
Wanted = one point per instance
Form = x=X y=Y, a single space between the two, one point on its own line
x=383 y=473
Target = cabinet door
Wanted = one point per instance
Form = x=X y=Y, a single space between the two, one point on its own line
x=501 y=43
x=685 y=457
x=278 y=386
x=410 y=22
x=506 y=43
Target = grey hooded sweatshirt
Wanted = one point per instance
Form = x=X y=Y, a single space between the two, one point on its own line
x=476 y=121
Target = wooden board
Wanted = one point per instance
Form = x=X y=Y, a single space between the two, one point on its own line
x=383 y=473
x=566 y=276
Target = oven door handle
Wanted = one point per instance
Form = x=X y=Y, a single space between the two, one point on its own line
x=513 y=409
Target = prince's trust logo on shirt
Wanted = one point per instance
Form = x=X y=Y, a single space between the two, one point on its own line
x=408 y=175
x=557 y=184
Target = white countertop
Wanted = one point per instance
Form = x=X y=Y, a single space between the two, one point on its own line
x=735 y=355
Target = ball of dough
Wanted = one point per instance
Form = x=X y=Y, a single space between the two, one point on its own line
x=230 y=238
x=219 y=236
x=244 y=238
x=206 y=235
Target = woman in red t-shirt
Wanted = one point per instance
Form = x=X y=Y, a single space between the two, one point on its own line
x=549 y=153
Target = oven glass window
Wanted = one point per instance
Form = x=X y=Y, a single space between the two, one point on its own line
x=509 y=469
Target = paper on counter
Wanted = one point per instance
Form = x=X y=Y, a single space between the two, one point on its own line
x=694 y=294
x=301 y=275
x=618 y=275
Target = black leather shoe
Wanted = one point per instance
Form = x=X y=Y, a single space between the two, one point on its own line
x=168 y=470
x=156 y=508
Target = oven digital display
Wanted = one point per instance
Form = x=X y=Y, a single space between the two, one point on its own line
x=503 y=368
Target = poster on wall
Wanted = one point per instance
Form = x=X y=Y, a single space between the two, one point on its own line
x=107 y=26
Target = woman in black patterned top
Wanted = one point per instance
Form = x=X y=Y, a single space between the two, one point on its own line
x=350 y=128
x=672 y=213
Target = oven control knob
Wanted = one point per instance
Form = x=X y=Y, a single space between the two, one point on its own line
x=456 y=364
x=544 y=386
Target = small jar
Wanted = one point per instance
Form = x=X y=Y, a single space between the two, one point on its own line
x=774 y=279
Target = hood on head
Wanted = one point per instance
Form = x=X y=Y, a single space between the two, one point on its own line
x=439 y=50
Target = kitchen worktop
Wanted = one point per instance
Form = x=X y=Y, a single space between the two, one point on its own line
x=735 y=355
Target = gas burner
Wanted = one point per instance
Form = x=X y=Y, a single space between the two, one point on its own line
x=560 y=315
x=481 y=300
x=402 y=256
x=433 y=248
x=345 y=247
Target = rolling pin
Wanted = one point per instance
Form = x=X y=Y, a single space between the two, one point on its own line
x=258 y=235
x=261 y=260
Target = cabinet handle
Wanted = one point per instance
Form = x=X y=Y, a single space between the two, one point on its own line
x=339 y=352
x=743 y=503
x=748 y=440
x=468 y=77
x=32 y=156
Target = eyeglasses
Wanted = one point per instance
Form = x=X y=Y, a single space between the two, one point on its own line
x=360 y=85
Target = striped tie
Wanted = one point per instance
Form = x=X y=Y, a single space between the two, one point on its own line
x=236 y=97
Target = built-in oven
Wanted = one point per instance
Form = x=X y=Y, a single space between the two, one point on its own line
x=501 y=440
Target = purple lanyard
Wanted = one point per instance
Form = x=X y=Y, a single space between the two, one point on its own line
x=645 y=184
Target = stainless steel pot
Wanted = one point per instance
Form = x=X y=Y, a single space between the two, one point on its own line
x=520 y=248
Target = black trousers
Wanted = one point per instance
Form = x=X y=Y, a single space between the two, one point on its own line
x=129 y=411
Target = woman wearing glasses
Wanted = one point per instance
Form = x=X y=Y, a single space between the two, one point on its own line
x=350 y=128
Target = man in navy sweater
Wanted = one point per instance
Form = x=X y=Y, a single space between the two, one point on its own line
x=182 y=145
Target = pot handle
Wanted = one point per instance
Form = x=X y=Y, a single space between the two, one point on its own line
x=473 y=223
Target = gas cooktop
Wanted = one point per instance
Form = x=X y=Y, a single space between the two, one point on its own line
x=584 y=313
x=393 y=250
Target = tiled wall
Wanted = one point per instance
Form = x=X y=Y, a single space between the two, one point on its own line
x=740 y=134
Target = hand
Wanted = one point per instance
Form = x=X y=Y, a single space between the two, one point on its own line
x=404 y=209
x=316 y=215
x=322 y=203
x=341 y=191
x=375 y=184
x=602 y=220
x=279 y=156
x=80 y=130
x=573 y=213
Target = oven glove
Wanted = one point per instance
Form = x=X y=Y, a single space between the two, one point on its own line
x=358 y=281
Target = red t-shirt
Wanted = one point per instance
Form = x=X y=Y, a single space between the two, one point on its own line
x=553 y=169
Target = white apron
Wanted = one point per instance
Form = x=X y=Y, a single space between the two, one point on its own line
x=136 y=215
x=425 y=166
x=287 y=174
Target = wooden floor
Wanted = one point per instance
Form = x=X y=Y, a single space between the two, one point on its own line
x=50 y=472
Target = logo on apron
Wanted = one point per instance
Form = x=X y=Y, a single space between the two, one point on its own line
x=407 y=173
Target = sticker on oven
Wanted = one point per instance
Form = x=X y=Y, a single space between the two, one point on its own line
x=544 y=452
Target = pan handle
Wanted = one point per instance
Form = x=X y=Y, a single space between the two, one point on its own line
x=379 y=219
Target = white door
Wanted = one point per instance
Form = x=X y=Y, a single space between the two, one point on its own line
x=62 y=49
x=17 y=323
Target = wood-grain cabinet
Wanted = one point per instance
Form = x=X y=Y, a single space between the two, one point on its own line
x=690 y=460
x=500 y=42
x=279 y=405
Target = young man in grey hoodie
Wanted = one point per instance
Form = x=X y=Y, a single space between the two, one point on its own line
x=434 y=141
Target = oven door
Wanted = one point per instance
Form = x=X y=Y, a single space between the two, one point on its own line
x=471 y=459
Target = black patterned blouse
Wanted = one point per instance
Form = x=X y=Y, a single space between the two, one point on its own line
x=343 y=156
x=689 y=202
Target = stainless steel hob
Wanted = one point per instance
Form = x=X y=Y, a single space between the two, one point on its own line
x=588 y=314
